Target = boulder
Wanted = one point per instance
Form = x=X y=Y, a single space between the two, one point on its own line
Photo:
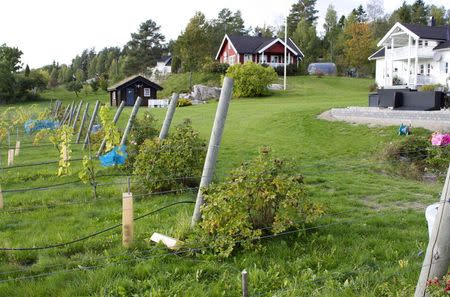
x=205 y=93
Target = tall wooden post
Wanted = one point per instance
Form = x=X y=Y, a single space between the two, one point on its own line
x=437 y=257
x=169 y=116
x=91 y=124
x=130 y=123
x=244 y=283
x=10 y=157
x=77 y=114
x=214 y=142
x=115 y=120
x=82 y=122
x=72 y=107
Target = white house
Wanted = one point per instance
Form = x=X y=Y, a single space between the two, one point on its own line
x=413 y=55
x=164 y=65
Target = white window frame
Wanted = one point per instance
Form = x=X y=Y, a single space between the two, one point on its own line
x=248 y=58
x=275 y=59
x=422 y=69
x=232 y=60
x=446 y=67
x=428 y=69
x=147 y=92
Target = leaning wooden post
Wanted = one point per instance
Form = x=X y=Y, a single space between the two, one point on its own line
x=130 y=123
x=169 y=116
x=10 y=157
x=72 y=107
x=214 y=142
x=127 y=218
x=437 y=257
x=244 y=283
x=2 y=204
x=63 y=119
x=17 y=150
x=57 y=106
x=82 y=122
x=77 y=114
x=91 y=124
x=115 y=120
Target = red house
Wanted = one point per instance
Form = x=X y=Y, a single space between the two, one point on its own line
x=262 y=50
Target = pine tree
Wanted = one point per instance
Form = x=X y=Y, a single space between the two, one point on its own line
x=27 y=71
x=302 y=10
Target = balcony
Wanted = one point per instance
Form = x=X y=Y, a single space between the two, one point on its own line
x=402 y=53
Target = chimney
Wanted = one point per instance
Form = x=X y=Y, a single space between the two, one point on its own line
x=431 y=21
x=259 y=34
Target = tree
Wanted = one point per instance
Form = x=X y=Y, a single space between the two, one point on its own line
x=53 y=82
x=10 y=57
x=359 y=45
x=439 y=14
x=144 y=48
x=94 y=85
x=27 y=71
x=402 y=14
x=306 y=38
x=80 y=75
x=305 y=9
x=264 y=31
x=419 y=12
x=229 y=23
x=74 y=86
x=375 y=9
x=332 y=30
x=191 y=47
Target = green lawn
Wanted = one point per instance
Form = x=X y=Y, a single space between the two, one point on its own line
x=368 y=243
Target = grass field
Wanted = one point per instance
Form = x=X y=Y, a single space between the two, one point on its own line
x=369 y=243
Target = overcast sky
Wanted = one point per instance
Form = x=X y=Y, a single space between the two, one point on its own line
x=48 y=30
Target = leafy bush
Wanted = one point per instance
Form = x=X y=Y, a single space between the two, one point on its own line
x=184 y=102
x=373 y=87
x=425 y=88
x=143 y=128
x=213 y=66
x=291 y=69
x=263 y=196
x=250 y=79
x=170 y=164
x=414 y=155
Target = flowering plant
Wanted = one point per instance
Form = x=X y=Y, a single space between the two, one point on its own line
x=437 y=288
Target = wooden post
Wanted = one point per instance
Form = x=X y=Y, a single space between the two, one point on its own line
x=169 y=116
x=437 y=257
x=66 y=113
x=82 y=122
x=244 y=283
x=10 y=157
x=91 y=124
x=17 y=150
x=115 y=120
x=57 y=106
x=130 y=123
x=214 y=142
x=72 y=107
x=2 y=204
x=77 y=114
x=127 y=219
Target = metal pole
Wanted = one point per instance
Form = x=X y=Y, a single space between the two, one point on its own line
x=244 y=283
x=82 y=122
x=214 y=142
x=131 y=121
x=64 y=115
x=285 y=53
x=77 y=115
x=72 y=107
x=169 y=116
x=91 y=124
x=437 y=257
x=115 y=120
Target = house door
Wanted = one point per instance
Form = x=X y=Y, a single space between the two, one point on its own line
x=130 y=96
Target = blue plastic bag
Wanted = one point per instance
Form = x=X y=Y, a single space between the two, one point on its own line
x=96 y=128
x=404 y=130
x=31 y=126
x=116 y=156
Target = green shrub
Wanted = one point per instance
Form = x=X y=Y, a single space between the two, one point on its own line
x=184 y=102
x=250 y=79
x=213 y=66
x=425 y=88
x=170 y=164
x=291 y=69
x=143 y=128
x=264 y=196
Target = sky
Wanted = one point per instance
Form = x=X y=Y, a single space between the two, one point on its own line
x=48 y=30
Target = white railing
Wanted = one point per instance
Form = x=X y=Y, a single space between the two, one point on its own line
x=402 y=53
x=273 y=64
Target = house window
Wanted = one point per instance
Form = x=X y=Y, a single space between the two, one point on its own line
x=147 y=92
x=263 y=59
x=426 y=43
x=225 y=58
x=420 y=42
x=446 y=67
x=114 y=95
x=428 y=69
x=275 y=59
x=248 y=58
x=422 y=68
x=232 y=60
